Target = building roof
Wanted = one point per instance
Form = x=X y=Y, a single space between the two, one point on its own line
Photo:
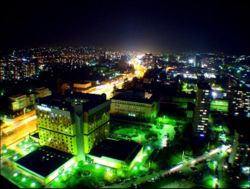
x=44 y=160
x=123 y=150
x=203 y=85
x=89 y=101
x=135 y=97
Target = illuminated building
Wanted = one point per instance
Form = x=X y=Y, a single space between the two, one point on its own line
x=140 y=106
x=2 y=69
x=239 y=102
x=74 y=123
x=201 y=112
x=20 y=101
x=239 y=157
x=15 y=67
x=42 y=92
x=198 y=61
x=109 y=153
x=45 y=164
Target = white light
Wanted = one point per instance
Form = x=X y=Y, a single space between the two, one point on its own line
x=224 y=147
x=43 y=108
x=214 y=94
x=191 y=61
x=139 y=56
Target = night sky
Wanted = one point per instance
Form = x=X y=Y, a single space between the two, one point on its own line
x=174 y=26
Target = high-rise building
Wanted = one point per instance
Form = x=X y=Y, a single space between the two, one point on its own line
x=198 y=61
x=239 y=104
x=2 y=69
x=74 y=123
x=201 y=112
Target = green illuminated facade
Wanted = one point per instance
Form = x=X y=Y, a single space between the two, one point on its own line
x=219 y=105
x=74 y=124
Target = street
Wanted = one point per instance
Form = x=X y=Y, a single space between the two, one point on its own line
x=25 y=127
x=156 y=175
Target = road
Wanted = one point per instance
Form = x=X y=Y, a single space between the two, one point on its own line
x=22 y=129
x=173 y=170
x=108 y=87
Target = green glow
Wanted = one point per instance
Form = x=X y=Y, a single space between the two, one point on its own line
x=217 y=88
x=97 y=166
x=23 y=179
x=215 y=181
x=15 y=174
x=209 y=181
x=148 y=148
x=219 y=105
x=33 y=184
x=135 y=168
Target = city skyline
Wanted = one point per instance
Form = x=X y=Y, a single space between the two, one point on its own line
x=135 y=25
x=124 y=94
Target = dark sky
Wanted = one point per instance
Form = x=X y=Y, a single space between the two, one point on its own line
x=128 y=24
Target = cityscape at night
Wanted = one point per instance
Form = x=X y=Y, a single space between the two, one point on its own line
x=124 y=94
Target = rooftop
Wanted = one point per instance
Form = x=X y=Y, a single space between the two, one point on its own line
x=89 y=101
x=44 y=160
x=203 y=85
x=123 y=150
x=133 y=96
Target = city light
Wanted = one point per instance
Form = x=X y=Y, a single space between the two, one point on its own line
x=24 y=179
x=191 y=61
x=33 y=184
x=100 y=118
x=214 y=94
x=44 y=108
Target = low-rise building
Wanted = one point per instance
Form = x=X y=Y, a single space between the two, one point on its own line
x=21 y=101
x=42 y=92
x=116 y=153
x=141 y=106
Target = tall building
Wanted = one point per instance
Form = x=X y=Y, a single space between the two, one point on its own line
x=198 y=61
x=239 y=157
x=201 y=112
x=74 y=123
x=2 y=69
x=239 y=104
x=141 y=106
